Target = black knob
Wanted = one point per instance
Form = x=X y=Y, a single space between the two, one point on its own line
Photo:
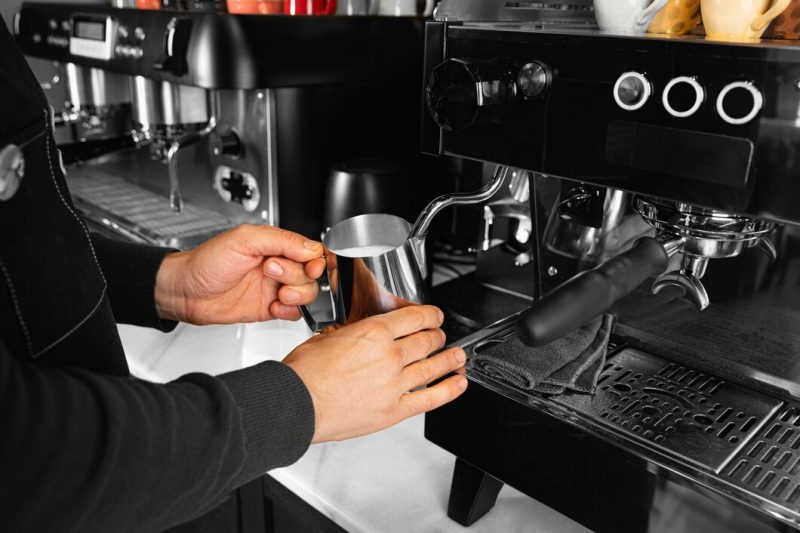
x=461 y=93
x=176 y=46
x=227 y=144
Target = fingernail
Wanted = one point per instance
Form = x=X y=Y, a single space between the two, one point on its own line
x=460 y=356
x=274 y=269
x=441 y=315
x=290 y=296
x=312 y=245
x=461 y=381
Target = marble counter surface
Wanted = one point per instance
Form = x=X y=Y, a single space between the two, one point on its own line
x=393 y=481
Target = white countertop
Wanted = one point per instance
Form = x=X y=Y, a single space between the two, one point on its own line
x=393 y=481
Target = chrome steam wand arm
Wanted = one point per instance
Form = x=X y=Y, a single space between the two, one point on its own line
x=420 y=229
x=171 y=158
x=425 y=218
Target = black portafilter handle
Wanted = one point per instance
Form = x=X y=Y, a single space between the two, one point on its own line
x=588 y=294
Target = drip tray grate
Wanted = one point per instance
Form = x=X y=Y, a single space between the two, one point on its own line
x=770 y=463
x=686 y=413
x=140 y=212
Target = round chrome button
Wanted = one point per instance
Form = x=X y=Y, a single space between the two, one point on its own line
x=697 y=99
x=533 y=79
x=758 y=102
x=632 y=91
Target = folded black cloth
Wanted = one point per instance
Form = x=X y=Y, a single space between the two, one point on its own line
x=571 y=363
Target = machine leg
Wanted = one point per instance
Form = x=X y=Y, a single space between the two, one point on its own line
x=472 y=494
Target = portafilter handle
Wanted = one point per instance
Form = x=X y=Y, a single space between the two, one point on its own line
x=591 y=293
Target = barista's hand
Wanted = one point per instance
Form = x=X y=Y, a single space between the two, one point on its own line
x=248 y=274
x=360 y=375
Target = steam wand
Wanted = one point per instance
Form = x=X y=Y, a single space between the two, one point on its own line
x=420 y=229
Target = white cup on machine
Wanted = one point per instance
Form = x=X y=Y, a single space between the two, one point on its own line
x=357 y=7
x=626 y=16
x=398 y=8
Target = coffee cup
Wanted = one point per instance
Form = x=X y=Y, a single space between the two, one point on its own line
x=626 y=16
x=357 y=7
x=678 y=17
x=399 y=8
x=309 y=7
x=739 y=20
x=787 y=25
x=255 y=7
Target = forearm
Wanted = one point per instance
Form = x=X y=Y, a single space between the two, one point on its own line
x=131 y=270
x=85 y=452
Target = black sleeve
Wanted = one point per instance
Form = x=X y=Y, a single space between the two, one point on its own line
x=86 y=452
x=130 y=270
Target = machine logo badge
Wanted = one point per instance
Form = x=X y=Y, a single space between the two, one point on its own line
x=12 y=170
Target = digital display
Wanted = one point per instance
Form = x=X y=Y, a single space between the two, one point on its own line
x=89 y=29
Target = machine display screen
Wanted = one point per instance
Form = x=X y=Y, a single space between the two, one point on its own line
x=94 y=30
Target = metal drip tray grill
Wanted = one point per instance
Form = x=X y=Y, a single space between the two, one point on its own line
x=770 y=464
x=683 y=412
x=139 y=213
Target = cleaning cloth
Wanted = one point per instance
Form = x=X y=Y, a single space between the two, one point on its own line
x=571 y=363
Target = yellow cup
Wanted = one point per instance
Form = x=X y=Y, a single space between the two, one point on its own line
x=739 y=20
x=678 y=17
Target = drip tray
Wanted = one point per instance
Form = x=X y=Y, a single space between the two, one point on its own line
x=696 y=417
x=141 y=214
x=770 y=464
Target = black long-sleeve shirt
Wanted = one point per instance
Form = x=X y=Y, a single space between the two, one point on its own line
x=84 y=446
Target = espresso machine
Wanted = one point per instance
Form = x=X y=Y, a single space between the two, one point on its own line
x=187 y=123
x=675 y=160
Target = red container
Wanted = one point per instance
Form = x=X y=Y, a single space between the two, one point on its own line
x=255 y=7
x=309 y=7
x=148 y=4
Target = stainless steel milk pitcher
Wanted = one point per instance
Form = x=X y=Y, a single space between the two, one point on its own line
x=376 y=262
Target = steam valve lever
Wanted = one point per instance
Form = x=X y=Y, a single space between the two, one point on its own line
x=590 y=293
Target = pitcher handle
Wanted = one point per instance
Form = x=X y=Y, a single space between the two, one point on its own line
x=317 y=325
x=772 y=13
x=313 y=324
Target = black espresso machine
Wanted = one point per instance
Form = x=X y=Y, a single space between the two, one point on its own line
x=695 y=423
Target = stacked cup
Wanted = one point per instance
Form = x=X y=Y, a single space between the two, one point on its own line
x=727 y=20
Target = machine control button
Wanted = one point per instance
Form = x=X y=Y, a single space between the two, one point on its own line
x=632 y=91
x=123 y=32
x=53 y=24
x=61 y=42
x=66 y=26
x=138 y=32
x=739 y=103
x=683 y=96
x=534 y=79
